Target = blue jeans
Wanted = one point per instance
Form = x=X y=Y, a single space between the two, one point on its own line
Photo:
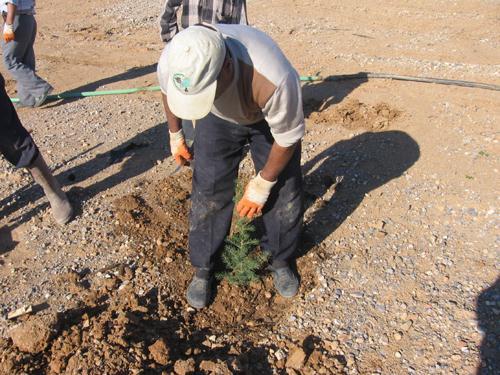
x=19 y=60
x=218 y=149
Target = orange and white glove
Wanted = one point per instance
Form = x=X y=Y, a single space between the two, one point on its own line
x=8 y=33
x=255 y=197
x=179 y=149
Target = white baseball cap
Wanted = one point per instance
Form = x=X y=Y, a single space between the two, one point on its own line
x=194 y=61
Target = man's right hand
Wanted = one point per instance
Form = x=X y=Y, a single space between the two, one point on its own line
x=179 y=149
x=8 y=33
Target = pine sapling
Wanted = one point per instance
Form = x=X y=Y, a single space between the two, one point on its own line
x=239 y=255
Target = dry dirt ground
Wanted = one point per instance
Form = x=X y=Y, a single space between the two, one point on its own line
x=399 y=263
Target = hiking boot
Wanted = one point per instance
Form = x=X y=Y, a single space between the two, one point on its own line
x=59 y=203
x=285 y=281
x=199 y=292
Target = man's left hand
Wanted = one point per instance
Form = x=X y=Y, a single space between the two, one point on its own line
x=255 y=197
x=8 y=33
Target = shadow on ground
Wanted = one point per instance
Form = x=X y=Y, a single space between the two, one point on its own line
x=143 y=150
x=127 y=75
x=487 y=308
x=318 y=96
x=366 y=162
x=138 y=154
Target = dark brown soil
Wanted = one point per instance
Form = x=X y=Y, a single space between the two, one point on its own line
x=114 y=327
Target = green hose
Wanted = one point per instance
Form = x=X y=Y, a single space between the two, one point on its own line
x=361 y=75
x=70 y=95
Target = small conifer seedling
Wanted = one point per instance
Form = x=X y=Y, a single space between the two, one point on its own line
x=239 y=254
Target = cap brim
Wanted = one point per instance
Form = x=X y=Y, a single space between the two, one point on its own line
x=191 y=106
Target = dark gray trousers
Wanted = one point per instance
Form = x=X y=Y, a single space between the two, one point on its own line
x=218 y=149
x=15 y=142
x=19 y=60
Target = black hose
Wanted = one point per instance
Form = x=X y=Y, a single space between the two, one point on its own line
x=439 y=81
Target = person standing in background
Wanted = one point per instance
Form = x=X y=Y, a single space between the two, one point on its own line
x=200 y=11
x=19 y=33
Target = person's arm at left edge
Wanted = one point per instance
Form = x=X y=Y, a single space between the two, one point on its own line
x=8 y=27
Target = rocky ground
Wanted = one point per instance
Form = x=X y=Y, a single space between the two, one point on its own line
x=399 y=263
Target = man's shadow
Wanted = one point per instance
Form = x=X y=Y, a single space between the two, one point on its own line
x=318 y=96
x=93 y=86
x=487 y=308
x=365 y=162
x=142 y=152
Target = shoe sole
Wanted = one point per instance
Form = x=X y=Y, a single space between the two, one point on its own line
x=197 y=306
x=287 y=295
x=66 y=219
x=43 y=99
x=291 y=295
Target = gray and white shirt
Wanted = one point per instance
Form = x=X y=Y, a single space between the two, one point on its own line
x=265 y=85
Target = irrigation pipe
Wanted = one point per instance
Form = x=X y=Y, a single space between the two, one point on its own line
x=439 y=81
x=344 y=77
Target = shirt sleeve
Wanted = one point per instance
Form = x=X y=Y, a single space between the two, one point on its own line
x=168 y=20
x=284 y=113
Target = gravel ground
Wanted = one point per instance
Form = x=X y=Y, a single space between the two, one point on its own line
x=404 y=253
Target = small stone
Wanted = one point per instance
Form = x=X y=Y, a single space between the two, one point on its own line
x=398 y=336
x=279 y=354
x=384 y=340
x=182 y=367
x=406 y=325
x=214 y=368
x=296 y=359
x=351 y=360
x=397 y=354
x=357 y=295
x=332 y=345
x=34 y=335
x=159 y=352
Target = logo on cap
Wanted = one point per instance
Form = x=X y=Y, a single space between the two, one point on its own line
x=182 y=82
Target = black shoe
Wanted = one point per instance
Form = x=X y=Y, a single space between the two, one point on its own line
x=199 y=292
x=285 y=281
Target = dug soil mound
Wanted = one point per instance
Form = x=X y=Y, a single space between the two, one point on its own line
x=354 y=114
x=132 y=317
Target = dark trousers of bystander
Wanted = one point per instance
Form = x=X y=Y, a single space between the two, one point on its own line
x=219 y=147
x=16 y=143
